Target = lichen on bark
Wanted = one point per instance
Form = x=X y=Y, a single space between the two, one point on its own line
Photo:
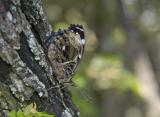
x=25 y=72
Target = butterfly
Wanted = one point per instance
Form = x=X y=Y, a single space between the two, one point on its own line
x=65 y=49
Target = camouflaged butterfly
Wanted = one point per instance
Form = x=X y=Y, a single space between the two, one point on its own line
x=65 y=49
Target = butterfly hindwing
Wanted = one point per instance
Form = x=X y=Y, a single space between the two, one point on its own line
x=65 y=49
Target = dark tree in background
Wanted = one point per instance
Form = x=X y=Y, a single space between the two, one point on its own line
x=127 y=30
x=25 y=73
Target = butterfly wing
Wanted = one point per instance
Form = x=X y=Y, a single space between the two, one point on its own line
x=65 y=49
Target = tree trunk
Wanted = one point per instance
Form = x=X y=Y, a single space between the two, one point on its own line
x=25 y=73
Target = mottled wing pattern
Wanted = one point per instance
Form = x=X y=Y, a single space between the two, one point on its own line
x=65 y=49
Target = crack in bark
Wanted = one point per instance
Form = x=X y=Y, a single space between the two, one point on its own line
x=23 y=29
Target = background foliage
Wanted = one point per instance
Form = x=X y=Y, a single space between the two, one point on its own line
x=119 y=75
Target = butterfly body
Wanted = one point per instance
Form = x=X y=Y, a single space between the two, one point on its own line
x=65 y=49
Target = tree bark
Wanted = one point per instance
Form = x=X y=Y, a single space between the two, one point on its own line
x=25 y=73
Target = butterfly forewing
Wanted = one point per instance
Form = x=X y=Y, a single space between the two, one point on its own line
x=65 y=49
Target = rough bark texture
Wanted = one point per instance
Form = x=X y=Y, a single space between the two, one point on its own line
x=25 y=74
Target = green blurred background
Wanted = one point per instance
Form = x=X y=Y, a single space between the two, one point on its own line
x=119 y=75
